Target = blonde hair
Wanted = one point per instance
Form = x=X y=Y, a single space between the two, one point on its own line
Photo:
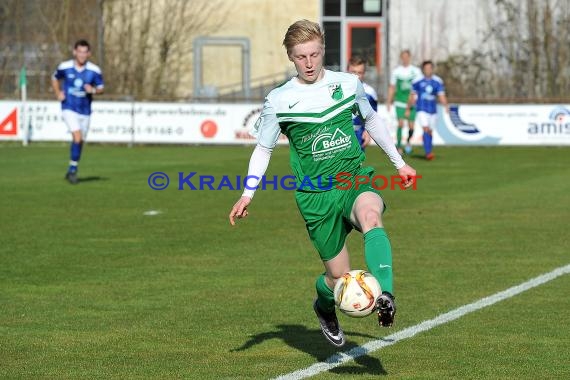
x=302 y=31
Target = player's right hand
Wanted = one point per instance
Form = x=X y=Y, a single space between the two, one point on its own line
x=240 y=209
x=408 y=175
x=61 y=96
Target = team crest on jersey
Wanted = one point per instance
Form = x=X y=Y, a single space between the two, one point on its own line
x=335 y=90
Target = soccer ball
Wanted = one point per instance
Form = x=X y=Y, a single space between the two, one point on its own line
x=355 y=293
x=408 y=149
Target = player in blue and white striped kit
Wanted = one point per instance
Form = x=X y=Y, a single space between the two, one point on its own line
x=427 y=91
x=81 y=80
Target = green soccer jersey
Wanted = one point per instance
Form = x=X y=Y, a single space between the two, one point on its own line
x=402 y=78
x=317 y=120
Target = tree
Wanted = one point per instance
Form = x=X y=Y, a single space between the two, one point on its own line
x=525 y=54
x=39 y=34
x=143 y=46
x=148 y=43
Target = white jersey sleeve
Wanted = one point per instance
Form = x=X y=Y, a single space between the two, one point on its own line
x=266 y=128
x=416 y=73
x=362 y=102
x=378 y=130
x=258 y=164
x=394 y=76
x=368 y=89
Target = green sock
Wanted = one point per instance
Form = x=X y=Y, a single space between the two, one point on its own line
x=378 y=257
x=410 y=134
x=399 y=137
x=325 y=295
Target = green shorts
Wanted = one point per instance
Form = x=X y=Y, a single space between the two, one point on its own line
x=327 y=214
x=401 y=113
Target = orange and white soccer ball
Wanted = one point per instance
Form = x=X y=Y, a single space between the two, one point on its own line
x=355 y=293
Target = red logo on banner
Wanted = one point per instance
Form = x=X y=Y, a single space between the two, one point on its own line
x=209 y=128
x=9 y=126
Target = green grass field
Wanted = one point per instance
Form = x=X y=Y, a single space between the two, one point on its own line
x=90 y=287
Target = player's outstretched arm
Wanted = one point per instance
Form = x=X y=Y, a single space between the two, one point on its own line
x=378 y=131
x=240 y=209
x=258 y=164
x=408 y=175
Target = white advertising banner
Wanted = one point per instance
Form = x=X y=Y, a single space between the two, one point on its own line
x=138 y=122
x=504 y=125
x=193 y=123
x=10 y=123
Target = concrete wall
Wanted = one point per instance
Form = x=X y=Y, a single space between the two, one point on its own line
x=264 y=22
x=434 y=29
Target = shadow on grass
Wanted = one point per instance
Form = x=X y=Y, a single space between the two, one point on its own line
x=92 y=178
x=416 y=156
x=312 y=342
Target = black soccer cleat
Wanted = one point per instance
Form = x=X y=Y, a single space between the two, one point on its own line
x=386 y=309
x=329 y=326
x=71 y=177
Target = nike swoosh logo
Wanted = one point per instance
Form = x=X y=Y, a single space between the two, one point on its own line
x=382 y=266
x=293 y=105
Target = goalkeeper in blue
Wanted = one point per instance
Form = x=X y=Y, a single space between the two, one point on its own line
x=74 y=83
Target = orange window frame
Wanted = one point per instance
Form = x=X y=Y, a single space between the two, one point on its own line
x=361 y=25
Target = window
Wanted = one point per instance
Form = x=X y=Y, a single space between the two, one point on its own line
x=331 y=7
x=332 y=50
x=354 y=27
x=364 y=8
x=364 y=42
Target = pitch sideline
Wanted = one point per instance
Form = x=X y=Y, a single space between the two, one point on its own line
x=343 y=357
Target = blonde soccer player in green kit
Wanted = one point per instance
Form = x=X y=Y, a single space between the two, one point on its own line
x=314 y=110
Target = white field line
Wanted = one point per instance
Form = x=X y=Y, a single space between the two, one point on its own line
x=343 y=357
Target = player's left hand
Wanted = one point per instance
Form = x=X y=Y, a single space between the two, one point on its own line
x=408 y=175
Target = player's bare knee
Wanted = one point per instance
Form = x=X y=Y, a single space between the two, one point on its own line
x=333 y=274
x=370 y=219
x=332 y=279
x=77 y=137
